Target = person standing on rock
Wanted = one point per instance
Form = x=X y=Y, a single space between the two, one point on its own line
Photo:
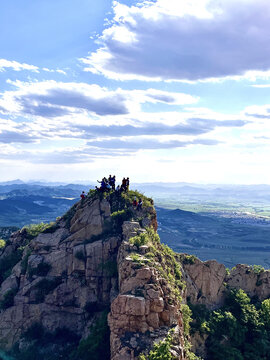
x=140 y=203
x=127 y=184
x=82 y=195
x=135 y=203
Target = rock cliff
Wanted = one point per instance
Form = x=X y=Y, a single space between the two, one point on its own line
x=103 y=260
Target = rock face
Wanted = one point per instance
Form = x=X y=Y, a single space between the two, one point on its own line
x=142 y=307
x=207 y=282
x=63 y=277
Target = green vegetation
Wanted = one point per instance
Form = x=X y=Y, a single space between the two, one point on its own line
x=44 y=345
x=118 y=217
x=161 y=351
x=8 y=299
x=139 y=240
x=2 y=243
x=80 y=255
x=69 y=215
x=240 y=330
x=110 y=268
x=139 y=260
x=8 y=262
x=44 y=287
x=97 y=345
x=257 y=269
x=34 y=230
x=41 y=269
x=188 y=259
x=161 y=257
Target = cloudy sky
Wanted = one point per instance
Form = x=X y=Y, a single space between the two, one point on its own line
x=162 y=90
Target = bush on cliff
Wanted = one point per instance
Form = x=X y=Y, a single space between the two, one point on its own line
x=97 y=345
x=240 y=330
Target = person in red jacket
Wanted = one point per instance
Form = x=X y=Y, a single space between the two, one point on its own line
x=82 y=195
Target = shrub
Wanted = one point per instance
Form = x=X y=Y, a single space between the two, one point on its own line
x=138 y=259
x=239 y=330
x=42 y=269
x=139 y=240
x=188 y=259
x=44 y=345
x=8 y=262
x=44 y=287
x=2 y=243
x=34 y=230
x=186 y=318
x=97 y=345
x=118 y=217
x=8 y=299
x=110 y=268
x=34 y=332
x=80 y=255
x=257 y=269
x=160 y=351
x=93 y=307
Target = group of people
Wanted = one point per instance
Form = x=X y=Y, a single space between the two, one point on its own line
x=108 y=184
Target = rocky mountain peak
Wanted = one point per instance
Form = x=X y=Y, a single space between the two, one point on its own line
x=98 y=284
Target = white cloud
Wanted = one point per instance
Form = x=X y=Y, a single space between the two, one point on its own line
x=51 y=99
x=16 y=66
x=185 y=40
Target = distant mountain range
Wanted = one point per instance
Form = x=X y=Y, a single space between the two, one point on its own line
x=22 y=204
x=219 y=229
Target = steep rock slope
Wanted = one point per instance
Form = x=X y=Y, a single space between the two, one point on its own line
x=59 y=282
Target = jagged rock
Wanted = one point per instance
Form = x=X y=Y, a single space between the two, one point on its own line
x=205 y=282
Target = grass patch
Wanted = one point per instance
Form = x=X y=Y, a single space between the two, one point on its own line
x=138 y=259
x=34 y=230
x=139 y=240
x=161 y=350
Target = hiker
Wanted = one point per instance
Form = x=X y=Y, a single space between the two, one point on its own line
x=112 y=182
x=135 y=203
x=103 y=183
x=124 y=184
x=82 y=195
x=118 y=189
x=140 y=203
x=127 y=184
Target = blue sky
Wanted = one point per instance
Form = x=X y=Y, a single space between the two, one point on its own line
x=158 y=90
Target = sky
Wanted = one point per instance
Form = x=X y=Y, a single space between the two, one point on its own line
x=160 y=91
